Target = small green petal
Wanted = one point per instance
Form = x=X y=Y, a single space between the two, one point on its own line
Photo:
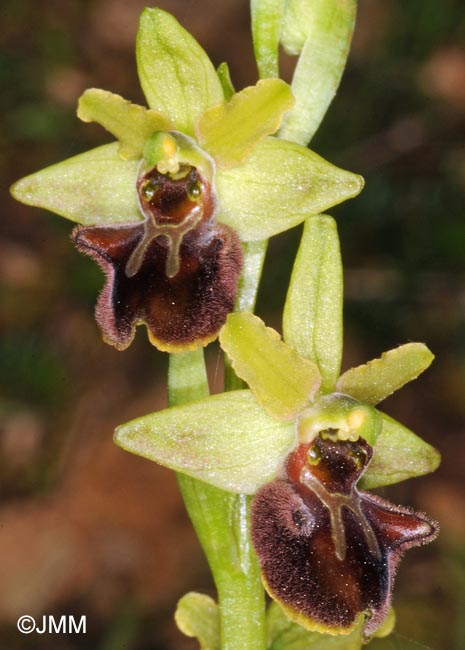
x=321 y=31
x=176 y=75
x=231 y=130
x=96 y=187
x=226 y=440
x=266 y=17
x=197 y=616
x=283 y=634
x=377 y=379
x=398 y=454
x=312 y=319
x=282 y=381
x=280 y=185
x=129 y=123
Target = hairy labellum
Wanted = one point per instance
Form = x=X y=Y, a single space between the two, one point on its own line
x=176 y=271
x=328 y=551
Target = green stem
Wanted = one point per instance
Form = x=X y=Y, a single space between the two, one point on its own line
x=221 y=521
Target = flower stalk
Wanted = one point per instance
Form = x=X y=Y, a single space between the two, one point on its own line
x=222 y=523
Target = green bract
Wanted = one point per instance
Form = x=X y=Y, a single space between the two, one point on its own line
x=264 y=185
x=319 y=32
x=312 y=318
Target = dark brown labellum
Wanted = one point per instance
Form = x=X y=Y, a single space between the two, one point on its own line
x=328 y=551
x=176 y=271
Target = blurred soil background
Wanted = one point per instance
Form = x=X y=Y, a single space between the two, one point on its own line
x=88 y=529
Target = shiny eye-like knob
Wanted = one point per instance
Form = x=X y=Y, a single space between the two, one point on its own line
x=314 y=455
x=194 y=191
x=148 y=189
x=358 y=455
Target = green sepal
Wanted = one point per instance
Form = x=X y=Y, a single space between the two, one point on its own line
x=321 y=31
x=131 y=124
x=226 y=440
x=96 y=187
x=232 y=129
x=283 y=634
x=280 y=185
x=282 y=381
x=379 y=378
x=398 y=454
x=267 y=18
x=197 y=616
x=175 y=73
x=340 y=416
x=312 y=318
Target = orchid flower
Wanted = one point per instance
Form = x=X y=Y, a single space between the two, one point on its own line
x=164 y=209
x=307 y=442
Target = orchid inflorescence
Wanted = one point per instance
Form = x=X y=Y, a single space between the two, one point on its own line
x=166 y=211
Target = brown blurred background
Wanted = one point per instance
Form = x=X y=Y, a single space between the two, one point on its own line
x=88 y=529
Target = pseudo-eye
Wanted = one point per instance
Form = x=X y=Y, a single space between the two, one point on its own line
x=177 y=270
x=328 y=551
